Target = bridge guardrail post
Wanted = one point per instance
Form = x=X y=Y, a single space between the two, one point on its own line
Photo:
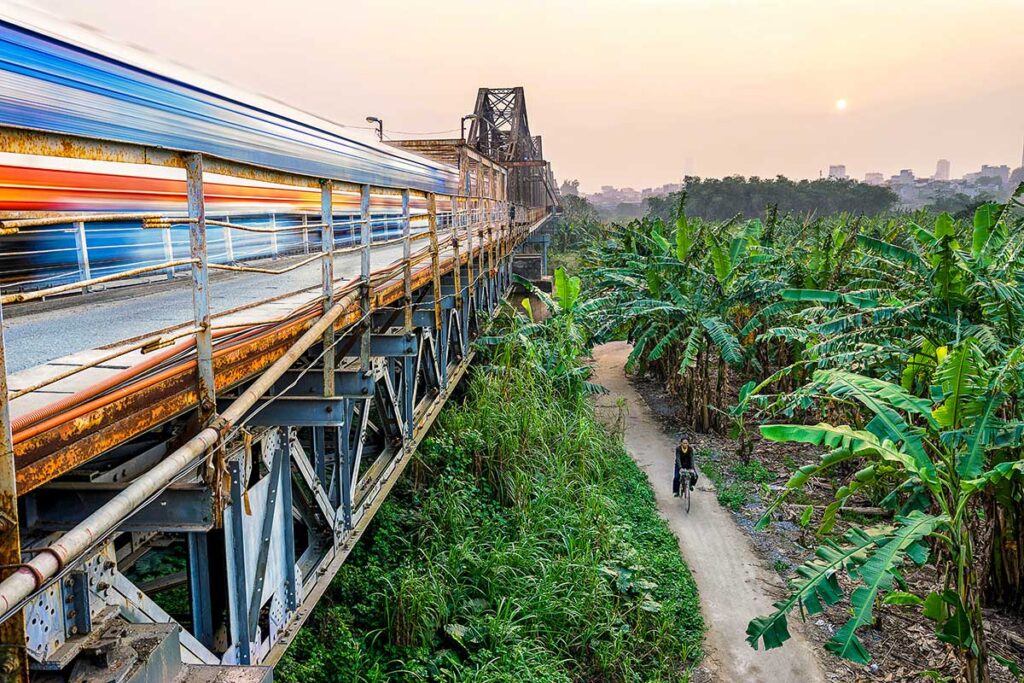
x=440 y=328
x=365 y=234
x=485 y=244
x=229 y=245
x=467 y=219
x=406 y=265
x=478 y=220
x=496 y=218
x=469 y=268
x=435 y=269
x=82 y=250
x=168 y=250
x=200 y=286
x=457 y=268
x=408 y=362
x=13 y=653
x=327 y=274
x=273 y=236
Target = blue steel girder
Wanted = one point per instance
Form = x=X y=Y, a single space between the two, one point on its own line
x=347 y=383
x=61 y=505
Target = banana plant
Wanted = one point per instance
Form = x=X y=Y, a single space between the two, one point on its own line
x=549 y=347
x=939 y=455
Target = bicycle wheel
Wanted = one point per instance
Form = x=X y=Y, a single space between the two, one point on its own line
x=686 y=489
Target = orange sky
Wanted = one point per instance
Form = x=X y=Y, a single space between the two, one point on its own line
x=631 y=92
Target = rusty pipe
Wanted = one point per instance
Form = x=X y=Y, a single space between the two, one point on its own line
x=48 y=561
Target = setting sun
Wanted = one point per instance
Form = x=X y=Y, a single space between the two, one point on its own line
x=841 y=105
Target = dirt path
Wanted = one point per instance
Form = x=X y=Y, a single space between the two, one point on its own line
x=733 y=585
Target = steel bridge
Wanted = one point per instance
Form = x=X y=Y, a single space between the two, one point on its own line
x=263 y=315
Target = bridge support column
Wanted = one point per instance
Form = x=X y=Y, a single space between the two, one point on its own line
x=13 y=653
x=237 y=568
x=199 y=587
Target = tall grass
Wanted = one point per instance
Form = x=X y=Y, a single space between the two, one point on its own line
x=531 y=551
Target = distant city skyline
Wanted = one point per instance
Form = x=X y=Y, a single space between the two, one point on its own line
x=944 y=170
x=989 y=182
x=631 y=93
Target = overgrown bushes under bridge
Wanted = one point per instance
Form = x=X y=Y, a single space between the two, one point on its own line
x=523 y=544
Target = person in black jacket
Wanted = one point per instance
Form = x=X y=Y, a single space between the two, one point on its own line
x=684 y=462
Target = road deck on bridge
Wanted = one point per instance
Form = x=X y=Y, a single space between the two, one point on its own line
x=40 y=335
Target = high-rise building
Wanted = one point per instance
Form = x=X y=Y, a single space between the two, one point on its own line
x=905 y=177
x=874 y=178
x=837 y=172
x=941 y=170
x=1000 y=173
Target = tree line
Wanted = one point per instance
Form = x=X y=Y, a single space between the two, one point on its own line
x=720 y=199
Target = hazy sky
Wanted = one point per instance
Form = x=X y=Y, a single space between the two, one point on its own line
x=631 y=92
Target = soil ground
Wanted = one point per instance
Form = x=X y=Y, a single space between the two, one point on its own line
x=733 y=585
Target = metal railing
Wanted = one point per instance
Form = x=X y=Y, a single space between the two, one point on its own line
x=276 y=235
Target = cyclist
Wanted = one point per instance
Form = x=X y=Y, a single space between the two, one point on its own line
x=684 y=463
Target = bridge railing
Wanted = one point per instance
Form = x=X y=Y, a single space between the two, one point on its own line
x=60 y=254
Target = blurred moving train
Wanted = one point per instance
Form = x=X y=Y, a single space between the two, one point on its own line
x=43 y=256
x=70 y=83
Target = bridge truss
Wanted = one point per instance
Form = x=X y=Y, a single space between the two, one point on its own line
x=263 y=445
x=501 y=131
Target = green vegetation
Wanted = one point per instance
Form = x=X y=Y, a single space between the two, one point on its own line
x=894 y=344
x=579 y=224
x=735 y=481
x=525 y=547
x=720 y=199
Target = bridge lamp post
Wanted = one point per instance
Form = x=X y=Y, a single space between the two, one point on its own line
x=380 y=126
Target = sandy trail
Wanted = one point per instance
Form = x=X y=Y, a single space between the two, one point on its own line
x=733 y=585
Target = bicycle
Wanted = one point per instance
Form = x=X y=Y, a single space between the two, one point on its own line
x=685 y=481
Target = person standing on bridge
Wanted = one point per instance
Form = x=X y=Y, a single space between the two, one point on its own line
x=683 y=464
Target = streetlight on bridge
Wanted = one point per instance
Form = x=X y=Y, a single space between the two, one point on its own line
x=380 y=126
